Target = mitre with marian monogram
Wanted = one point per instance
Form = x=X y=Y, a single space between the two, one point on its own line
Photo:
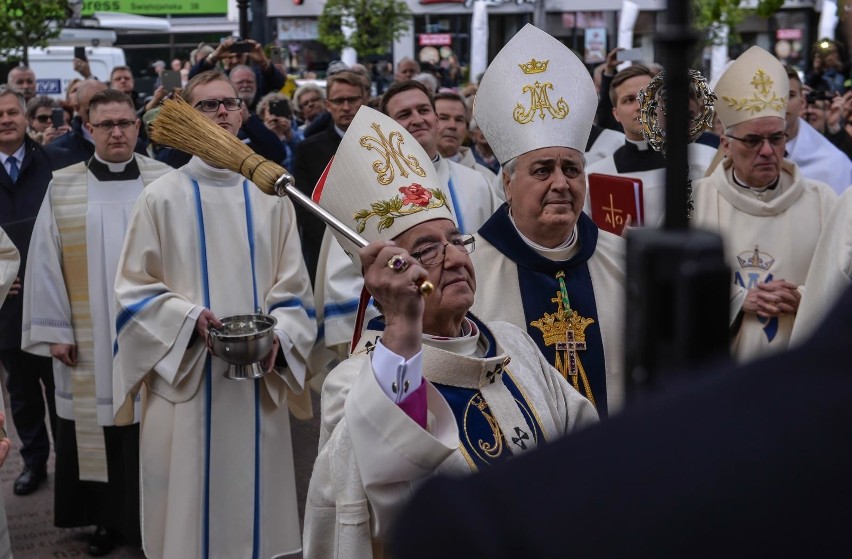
x=755 y=85
x=380 y=182
x=535 y=94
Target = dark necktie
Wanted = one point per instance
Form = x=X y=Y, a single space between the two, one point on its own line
x=13 y=169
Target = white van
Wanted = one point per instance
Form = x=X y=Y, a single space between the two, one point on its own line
x=54 y=67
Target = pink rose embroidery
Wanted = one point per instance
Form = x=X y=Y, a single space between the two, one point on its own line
x=415 y=194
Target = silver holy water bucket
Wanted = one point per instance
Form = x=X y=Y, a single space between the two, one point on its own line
x=243 y=341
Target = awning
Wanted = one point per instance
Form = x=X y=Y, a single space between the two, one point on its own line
x=118 y=20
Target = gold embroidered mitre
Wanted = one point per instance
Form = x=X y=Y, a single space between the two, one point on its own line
x=380 y=182
x=755 y=85
x=535 y=94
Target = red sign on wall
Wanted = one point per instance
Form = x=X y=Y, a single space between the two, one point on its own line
x=435 y=39
x=789 y=34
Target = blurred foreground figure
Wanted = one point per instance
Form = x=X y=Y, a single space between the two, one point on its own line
x=742 y=464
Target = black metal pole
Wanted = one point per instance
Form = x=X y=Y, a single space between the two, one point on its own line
x=677 y=40
x=261 y=29
x=677 y=281
x=242 y=10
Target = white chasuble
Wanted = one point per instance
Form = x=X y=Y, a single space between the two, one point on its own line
x=767 y=235
x=481 y=410
x=216 y=454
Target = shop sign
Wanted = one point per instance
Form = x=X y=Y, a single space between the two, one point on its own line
x=788 y=34
x=583 y=20
x=157 y=7
x=297 y=29
x=435 y=39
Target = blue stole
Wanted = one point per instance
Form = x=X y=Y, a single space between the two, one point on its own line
x=482 y=440
x=208 y=379
x=550 y=291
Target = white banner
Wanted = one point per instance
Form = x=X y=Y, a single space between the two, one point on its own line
x=478 y=39
x=828 y=19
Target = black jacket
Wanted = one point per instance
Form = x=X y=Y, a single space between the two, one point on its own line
x=19 y=205
x=311 y=157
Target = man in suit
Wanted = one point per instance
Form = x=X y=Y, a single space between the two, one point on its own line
x=738 y=462
x=23 y=182
x=346 y=92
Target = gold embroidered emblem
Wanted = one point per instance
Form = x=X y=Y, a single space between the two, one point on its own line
x=762 y=99
x=393 y=158
x=414 y=198
x=491 y=449
x=539 y=100
x=755 y=259
x=534 y=66
x=567 y=330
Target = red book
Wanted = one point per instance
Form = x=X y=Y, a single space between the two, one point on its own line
x=612 y=199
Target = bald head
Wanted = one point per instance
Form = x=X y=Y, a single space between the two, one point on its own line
x=85 y=91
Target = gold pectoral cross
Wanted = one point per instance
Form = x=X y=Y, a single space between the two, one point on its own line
x=566 y=329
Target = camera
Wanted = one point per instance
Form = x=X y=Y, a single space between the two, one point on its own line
x=57 y=117
x=240 y=47
x=280 y=108
x=815 y=96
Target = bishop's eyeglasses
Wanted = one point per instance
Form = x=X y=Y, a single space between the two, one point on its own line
x=435 y=253
x=753 y=141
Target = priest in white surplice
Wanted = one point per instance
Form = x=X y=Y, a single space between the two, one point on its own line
x=69 y=314
x=768 y=214
x=469 y=195
x=429 y=387
x=635 y=157
x=817 y=158
x=550 y=270
x=216 y=453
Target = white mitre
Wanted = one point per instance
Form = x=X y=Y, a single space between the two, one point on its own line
x=380 y=182
x=535 y=94
x=755 y=85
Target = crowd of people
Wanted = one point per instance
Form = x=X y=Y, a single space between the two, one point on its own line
x=118 y=255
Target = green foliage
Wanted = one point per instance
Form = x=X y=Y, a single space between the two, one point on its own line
x=377 y=24
x=29 y=23
x=711 y=16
